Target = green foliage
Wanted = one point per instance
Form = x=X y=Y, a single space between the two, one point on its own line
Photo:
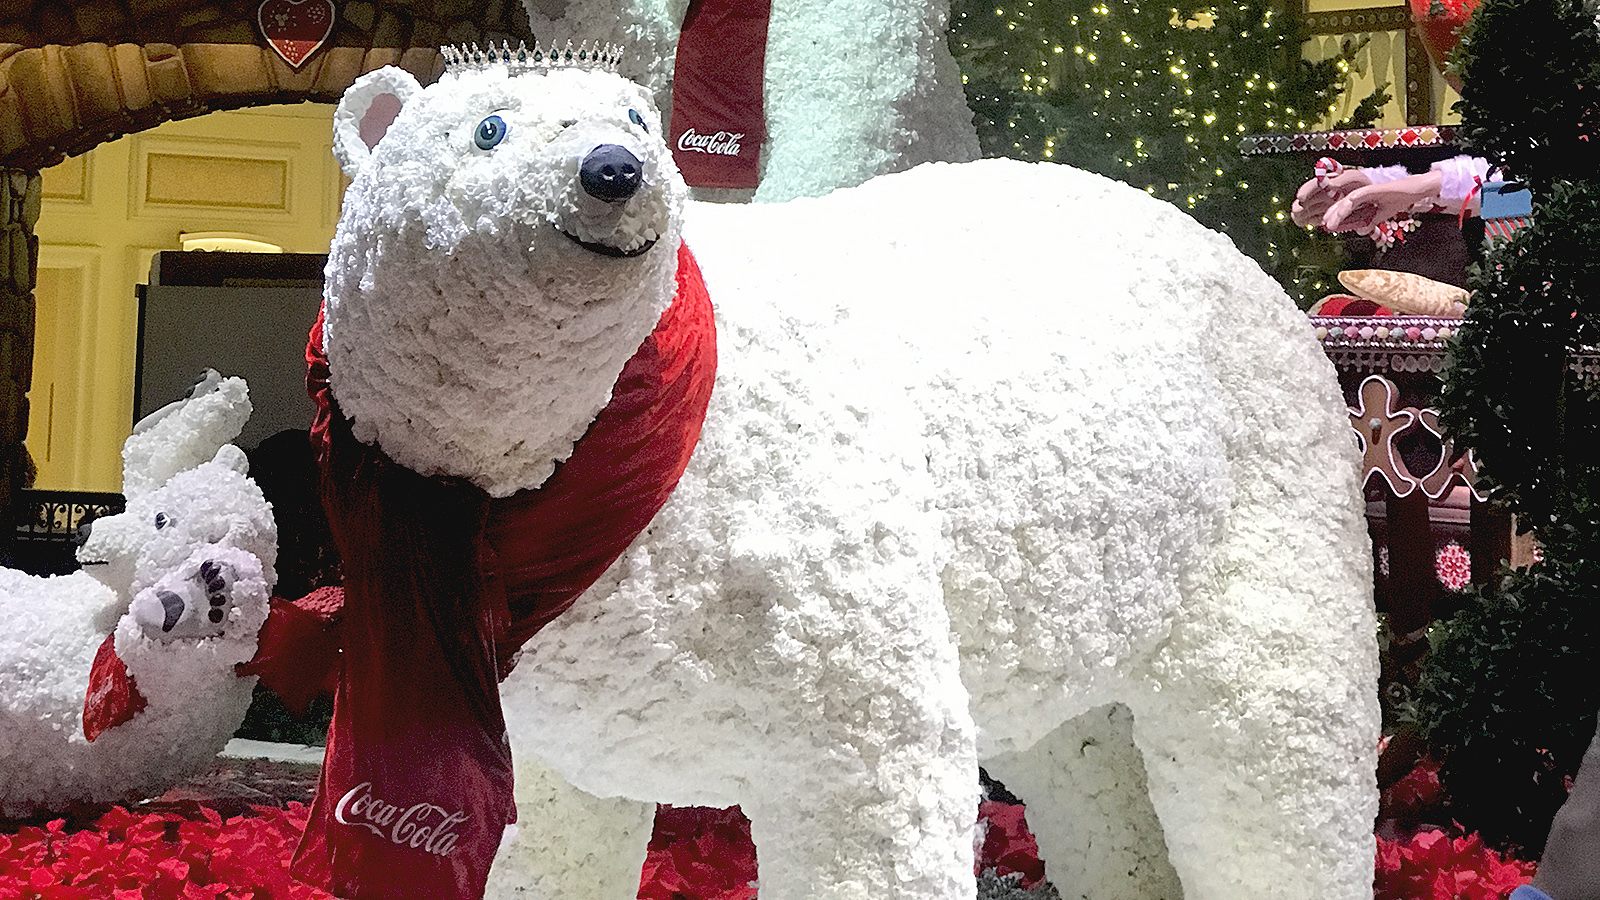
x=1509 y=694
x=1510 y=393
x=1523 y=62
x=1158 y=96
x=269 y=720
x=996 y=887
x=1508 y=697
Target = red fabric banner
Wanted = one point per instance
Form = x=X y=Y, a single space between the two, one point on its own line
x=442 y=587
x=718 y=93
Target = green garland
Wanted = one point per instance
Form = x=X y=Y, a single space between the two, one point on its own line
x=1531 y=92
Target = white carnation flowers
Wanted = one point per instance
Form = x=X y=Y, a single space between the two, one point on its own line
x=182 y=580
x=976 y=464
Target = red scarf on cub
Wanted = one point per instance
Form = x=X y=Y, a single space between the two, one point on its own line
x=443 y=585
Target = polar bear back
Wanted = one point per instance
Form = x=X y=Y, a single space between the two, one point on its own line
x=972 y=408
x=1038 y=337
x=54 y=626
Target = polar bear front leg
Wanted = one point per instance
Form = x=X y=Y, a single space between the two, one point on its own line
x=905 y=835
x=568 y=843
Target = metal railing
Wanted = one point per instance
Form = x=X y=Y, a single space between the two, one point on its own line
x=46 y=527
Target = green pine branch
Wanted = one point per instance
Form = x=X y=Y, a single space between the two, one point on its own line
x=1159 y=99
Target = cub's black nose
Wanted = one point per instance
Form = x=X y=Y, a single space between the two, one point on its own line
x=610 y=173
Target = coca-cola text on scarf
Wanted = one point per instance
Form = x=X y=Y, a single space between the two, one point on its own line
x=718 y=104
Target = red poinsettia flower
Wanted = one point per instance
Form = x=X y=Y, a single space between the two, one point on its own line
x=1415 y=795
x=1008 y=845
x=1433 y=865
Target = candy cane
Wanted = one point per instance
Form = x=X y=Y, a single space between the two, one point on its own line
x=1328 y=168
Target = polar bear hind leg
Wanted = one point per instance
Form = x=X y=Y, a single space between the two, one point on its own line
x=1265 y=806
x=1258 y=720
x=569 y=843
x=1256 y=713
x=1088 y=806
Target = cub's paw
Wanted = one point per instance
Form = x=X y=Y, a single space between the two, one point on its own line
x=197 y=601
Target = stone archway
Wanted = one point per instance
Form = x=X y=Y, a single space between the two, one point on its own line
x=77 y=73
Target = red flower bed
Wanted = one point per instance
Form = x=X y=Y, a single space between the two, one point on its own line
x=699 y=854
x=1418 y=861
x=707 y=854
x=1008 y=845
x=157 y=856
x=695 y=854
x=1432 y=865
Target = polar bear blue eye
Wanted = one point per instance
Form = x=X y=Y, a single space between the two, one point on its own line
x=162 y=520
x=635 y=118
x=490 y=133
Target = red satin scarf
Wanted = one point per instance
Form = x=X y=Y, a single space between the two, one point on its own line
x=443 y=585
x=719 y=119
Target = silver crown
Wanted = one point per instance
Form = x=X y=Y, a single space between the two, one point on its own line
x=522 y=58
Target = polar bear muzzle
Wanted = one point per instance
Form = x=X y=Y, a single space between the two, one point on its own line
x=610 y=173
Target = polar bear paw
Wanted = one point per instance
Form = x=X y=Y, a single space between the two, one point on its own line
x=197 y=601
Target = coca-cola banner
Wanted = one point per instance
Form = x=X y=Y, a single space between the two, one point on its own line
x=718 y=114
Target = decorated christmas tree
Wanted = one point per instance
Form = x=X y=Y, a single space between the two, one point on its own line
x=1510 y=689
x=1158 y=96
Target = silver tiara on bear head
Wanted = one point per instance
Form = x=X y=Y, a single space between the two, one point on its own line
x=522 y=58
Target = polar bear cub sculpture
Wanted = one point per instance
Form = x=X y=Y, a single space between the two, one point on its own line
x=181 y=580
x=991 y=445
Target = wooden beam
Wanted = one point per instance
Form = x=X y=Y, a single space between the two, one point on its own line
x=1419 y=81
x=1359 y=21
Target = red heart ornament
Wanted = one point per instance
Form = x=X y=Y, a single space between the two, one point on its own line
x=295 y=29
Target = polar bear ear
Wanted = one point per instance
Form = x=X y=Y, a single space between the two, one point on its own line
x=365 y=113
x=234 y=458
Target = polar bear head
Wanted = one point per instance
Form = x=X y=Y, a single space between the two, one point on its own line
x=551 y=160
x=188 y=495
x=509 y=238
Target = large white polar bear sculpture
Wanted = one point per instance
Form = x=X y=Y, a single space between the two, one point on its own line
x=181 y=581
x=990 y=445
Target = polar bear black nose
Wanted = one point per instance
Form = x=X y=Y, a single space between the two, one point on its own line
x=610 y=173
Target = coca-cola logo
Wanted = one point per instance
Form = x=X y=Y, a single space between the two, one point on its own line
x=723 y=143
x=420 y=826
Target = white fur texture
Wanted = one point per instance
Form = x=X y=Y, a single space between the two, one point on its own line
x=976 y=464
x=180 y=469
x=931 y=440
x=854 y=88
x=448 y=257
